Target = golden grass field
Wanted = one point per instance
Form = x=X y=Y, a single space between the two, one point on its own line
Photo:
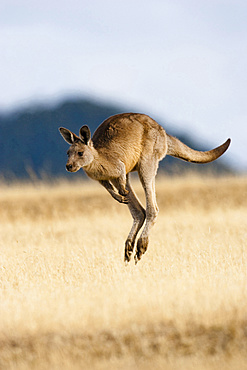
x=67 y=300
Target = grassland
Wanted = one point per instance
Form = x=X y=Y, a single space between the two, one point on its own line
x=67 y=301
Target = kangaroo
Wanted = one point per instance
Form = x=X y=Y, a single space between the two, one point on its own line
x=124 y=143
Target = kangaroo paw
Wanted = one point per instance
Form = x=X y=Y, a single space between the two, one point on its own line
x=124 y=200
x=123 y=192
x=121 y=198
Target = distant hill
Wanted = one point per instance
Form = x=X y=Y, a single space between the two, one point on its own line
x=32 y=146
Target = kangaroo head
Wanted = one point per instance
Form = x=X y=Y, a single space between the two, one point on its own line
x=80 y=153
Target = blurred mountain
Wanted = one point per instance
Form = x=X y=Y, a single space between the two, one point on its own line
x=31 y=145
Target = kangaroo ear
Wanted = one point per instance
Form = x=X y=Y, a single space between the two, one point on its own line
x=68 y=135
x=85 y=134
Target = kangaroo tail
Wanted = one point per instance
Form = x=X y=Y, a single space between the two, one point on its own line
x=179 y=150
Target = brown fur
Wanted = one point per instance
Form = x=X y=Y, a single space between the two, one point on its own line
x=124 y=143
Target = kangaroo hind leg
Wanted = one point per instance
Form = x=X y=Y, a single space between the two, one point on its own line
x=147 y=175
x=138 y=214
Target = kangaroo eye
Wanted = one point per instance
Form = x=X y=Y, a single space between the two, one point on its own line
x=80 y=154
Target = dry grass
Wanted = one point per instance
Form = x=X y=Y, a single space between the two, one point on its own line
x=67 y=301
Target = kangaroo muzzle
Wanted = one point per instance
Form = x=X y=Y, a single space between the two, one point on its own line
x=72 y=167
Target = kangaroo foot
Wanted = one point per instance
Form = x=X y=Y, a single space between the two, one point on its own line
x=141 y=248
x=129 y=247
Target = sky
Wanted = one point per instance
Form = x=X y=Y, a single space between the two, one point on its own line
x=183 y=62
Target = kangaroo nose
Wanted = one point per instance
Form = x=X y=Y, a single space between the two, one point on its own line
x=69 y=167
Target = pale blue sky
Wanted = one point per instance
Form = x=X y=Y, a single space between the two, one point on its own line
x=180 y=61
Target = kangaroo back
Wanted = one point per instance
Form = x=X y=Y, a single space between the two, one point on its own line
x=179 y=150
